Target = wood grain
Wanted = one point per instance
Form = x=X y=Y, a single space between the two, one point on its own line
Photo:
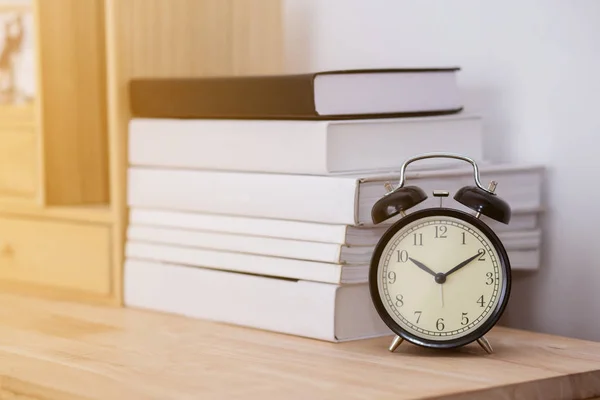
x=54 y=350
x=74 y=256
x=257 y=37
x=17 y=116
x=18 y=163
x=73 y=101
x=85 y=213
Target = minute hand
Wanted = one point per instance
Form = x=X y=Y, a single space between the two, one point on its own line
x=462 y=264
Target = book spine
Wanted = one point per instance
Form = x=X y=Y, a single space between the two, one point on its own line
x=301 y=198
x=298 y=308
x=244 y=263
x=283 y=146
x=289 y=96
x=276 y=228
x=270 y=246
x=277 y=146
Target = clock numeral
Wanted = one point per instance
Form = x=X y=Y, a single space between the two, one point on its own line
x=489 y=279
x=418 y=316
x=391 y=277
x=440 y=232
x=402 y=255
x=480 y=301
x=399 y=300
x=440 y=324
x=481 y=253
x=464 y=238
x=417 y=239
x=464 y=320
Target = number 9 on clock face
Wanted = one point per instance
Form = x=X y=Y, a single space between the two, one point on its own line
x=440 y=278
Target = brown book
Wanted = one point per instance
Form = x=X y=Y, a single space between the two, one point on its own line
x=349 y=94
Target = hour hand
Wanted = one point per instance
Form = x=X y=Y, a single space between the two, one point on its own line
x=422 y=266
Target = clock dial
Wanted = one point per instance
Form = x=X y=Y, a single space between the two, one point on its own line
x=440 y=278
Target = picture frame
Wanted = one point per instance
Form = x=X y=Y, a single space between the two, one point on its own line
x=17 y=55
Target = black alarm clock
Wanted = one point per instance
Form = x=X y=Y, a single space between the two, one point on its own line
x=440 y=277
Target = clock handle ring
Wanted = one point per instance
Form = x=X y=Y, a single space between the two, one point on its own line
x=441 y=155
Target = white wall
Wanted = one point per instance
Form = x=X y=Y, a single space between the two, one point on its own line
x=532 y=68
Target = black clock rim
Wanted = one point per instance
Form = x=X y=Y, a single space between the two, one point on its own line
x=504 y=263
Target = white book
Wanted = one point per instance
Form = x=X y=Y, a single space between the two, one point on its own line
x=290 y=268
x=248 y=263
x=522 y=220
x=525 y=259
x=341 y=199
x=288 y=248
x=268 y=227
x=300 y=146
x=316 y=310
x=275 y=247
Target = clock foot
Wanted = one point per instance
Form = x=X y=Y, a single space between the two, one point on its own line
x=483 y=342
x=395 y=343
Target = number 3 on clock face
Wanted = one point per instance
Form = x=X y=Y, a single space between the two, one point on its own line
x=440 y=278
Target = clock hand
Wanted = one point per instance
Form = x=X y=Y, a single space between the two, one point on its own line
x=422 y=266
x=462 y=264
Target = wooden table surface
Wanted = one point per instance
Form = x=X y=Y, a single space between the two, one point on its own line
x=54 y=350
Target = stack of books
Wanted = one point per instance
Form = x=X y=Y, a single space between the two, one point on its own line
x=250 y=197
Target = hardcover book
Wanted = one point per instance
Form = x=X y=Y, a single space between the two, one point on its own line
x=301 y=147
x=319 y=95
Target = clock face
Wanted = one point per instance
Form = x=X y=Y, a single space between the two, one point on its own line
x=440 y=277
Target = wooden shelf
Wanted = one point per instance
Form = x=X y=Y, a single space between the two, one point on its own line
x=17 y=116
x=52 y=293
x=57 y=350
x=86 y=213
x=63 y=157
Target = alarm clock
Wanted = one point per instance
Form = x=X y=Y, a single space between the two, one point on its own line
x=440 y=277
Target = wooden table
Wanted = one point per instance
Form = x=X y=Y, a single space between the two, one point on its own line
x=54 y=350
